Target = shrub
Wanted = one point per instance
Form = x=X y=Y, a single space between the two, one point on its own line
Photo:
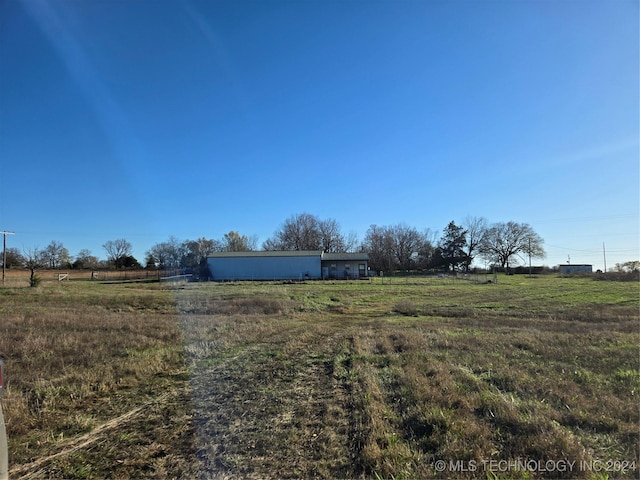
x=34 y=280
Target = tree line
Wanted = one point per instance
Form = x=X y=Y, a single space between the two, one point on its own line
x=390 y=248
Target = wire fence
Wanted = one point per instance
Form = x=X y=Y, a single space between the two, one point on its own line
x=20 y=278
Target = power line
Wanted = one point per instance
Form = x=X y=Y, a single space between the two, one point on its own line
x=623 y=216
x=598 y=251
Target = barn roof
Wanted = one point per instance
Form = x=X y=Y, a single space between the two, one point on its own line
x=294 y=253
x=345 y=256
x=280 y=253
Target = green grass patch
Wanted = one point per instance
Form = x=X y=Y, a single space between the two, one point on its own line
x=321 y=379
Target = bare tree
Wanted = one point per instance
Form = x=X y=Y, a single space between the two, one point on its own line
x=427 y=249
x=84 y=259
x=331 y=238
x=198 y=250
x=476 y=229
x=351 y=242
x=307 y=232
x=13 y=258
x=34 y=259
x=168 y=254
x=234 y=242
x=632 y=266
x=503 y=241
x=272 y=244
x=378 y=243
x=196 y=253
x=406 y=245
x=118 y=251
x=55 y=255
x=300 y=232
x=395 y=247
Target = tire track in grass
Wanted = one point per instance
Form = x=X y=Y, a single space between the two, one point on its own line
x=273 y=411
x=35 y=468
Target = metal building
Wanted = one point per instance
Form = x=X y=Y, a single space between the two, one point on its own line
x=575 y=268
x=297 y=265
x=287 y=265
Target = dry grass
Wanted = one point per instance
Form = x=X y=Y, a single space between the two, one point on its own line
x=73 y=365
x=20 y=277
x=326 y=380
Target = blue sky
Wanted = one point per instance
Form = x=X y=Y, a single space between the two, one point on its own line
x=145 y=119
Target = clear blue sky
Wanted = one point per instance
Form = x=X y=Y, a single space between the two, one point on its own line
x=145 y=119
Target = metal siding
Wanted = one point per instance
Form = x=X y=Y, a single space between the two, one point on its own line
x=341 y=271
x=341 y=261
x=568 y=269
x=264 y=268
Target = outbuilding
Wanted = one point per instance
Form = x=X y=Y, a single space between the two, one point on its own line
x=287 y=265
x=345 y=265
x=576 y=268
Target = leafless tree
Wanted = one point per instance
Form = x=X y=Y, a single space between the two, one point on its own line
x=84 y=259
x=55 y=255
x=378 y=243
x=198 y=250
x=503 y=241
x=117 y=251
x=396 y=247
x=426 y=249
x=14 y=258
x=168 y=254
x=307 y=232
x=632 y=266
x=196 y=253
x=406 y=244
x=33 y=259
x=234 y=242
x=351 y=242
x=300 y=232
x=332 y=239
x=476 y=229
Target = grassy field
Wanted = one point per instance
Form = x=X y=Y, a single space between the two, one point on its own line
x=413 y=378
x=20 y=277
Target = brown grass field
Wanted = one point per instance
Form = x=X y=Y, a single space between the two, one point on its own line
x=414 y=378
x=20 y=278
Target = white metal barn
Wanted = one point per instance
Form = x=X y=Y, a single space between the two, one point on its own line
x=298 y=265
x=287 y=265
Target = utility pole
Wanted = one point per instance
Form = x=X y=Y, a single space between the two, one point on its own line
x=4 y=251
x=604 y=254
x=529 y=257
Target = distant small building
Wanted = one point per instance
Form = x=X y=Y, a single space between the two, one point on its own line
x=577 y=268
x=287 y=265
